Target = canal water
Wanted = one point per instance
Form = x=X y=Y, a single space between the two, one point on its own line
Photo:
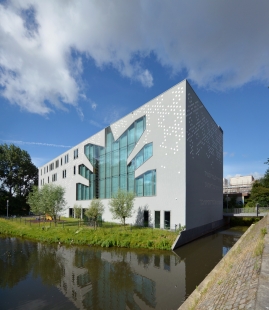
x=42 y=276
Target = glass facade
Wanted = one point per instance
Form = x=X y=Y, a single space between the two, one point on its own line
x=110 y=170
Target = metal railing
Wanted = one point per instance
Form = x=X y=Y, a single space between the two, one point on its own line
x=246 y=210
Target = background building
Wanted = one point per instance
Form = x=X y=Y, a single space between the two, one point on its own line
x=169 y=152
x=237 y=190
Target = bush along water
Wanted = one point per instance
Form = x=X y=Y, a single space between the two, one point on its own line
x=108 y=235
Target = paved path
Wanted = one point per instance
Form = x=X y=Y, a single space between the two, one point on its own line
x=240 y=280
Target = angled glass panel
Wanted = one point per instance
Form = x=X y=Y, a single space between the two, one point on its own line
x=131 y=182
x=153 y=182
x=108 y=187
x=108 y=164
x=131 y=134
x=139 y=128
x=130 y=148
x=148 y=152
x=139 y=184
x=131 y=166
x=123 y=140
x=148 y=184
x=115 y=185
x=139 y=159
x=123 y=182
x=109 y=140
x=123 y=160
x=116 y=145
x=115 y=162
x=102 y=167
x=102 y=188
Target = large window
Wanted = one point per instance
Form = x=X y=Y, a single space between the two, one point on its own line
x=110 y=170
x=145 y=184
x=142 y=156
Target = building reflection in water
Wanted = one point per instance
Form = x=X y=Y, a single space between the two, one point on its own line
x=203 y=255
x=116 y=278
x=98 y=278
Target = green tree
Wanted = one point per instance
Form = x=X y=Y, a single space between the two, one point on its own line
x=77 y=211
x=260 y=191
x=95 y=210
x=121 y=205
x=17 y=176
x=48 y=199
x=17 y=172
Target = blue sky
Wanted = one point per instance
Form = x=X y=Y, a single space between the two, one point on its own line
x=70 y=68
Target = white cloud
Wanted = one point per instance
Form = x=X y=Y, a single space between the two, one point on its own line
x=36 y=143
x=93 y=105
x=80 y=113
x=220 y=44
x=94 y=123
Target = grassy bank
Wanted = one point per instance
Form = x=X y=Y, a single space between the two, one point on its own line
x=106 y=236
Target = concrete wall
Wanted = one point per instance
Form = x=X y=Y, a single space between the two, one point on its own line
x=204 y=164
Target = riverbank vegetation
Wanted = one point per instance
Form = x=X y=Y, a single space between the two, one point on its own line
x=108 y=235
x=243 y=221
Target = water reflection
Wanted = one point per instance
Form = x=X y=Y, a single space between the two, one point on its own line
x=203 y=255
x=14 y=256
x=97 y=278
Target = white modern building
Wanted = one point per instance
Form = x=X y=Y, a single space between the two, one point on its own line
x=169 y=152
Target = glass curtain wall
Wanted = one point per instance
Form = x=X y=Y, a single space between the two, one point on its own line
x=110 y=170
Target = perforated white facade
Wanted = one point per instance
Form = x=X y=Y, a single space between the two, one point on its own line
x=169 y=151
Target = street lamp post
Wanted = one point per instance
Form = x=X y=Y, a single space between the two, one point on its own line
x=7 y=208
x=227 y=201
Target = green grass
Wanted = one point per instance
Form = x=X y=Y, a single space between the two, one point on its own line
x=107 y=236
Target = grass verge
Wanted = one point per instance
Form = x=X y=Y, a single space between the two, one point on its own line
x=107 y=236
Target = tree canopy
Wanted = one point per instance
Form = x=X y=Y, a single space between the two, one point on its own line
x=260 y=190
x=121 y=205
x=49 y=199
x=17 y=176
x=95 y=210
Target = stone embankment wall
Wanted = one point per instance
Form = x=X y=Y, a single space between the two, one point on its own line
x=240 y=279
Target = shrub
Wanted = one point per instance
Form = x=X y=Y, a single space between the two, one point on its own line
x=150 y=243
x=107 y=244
